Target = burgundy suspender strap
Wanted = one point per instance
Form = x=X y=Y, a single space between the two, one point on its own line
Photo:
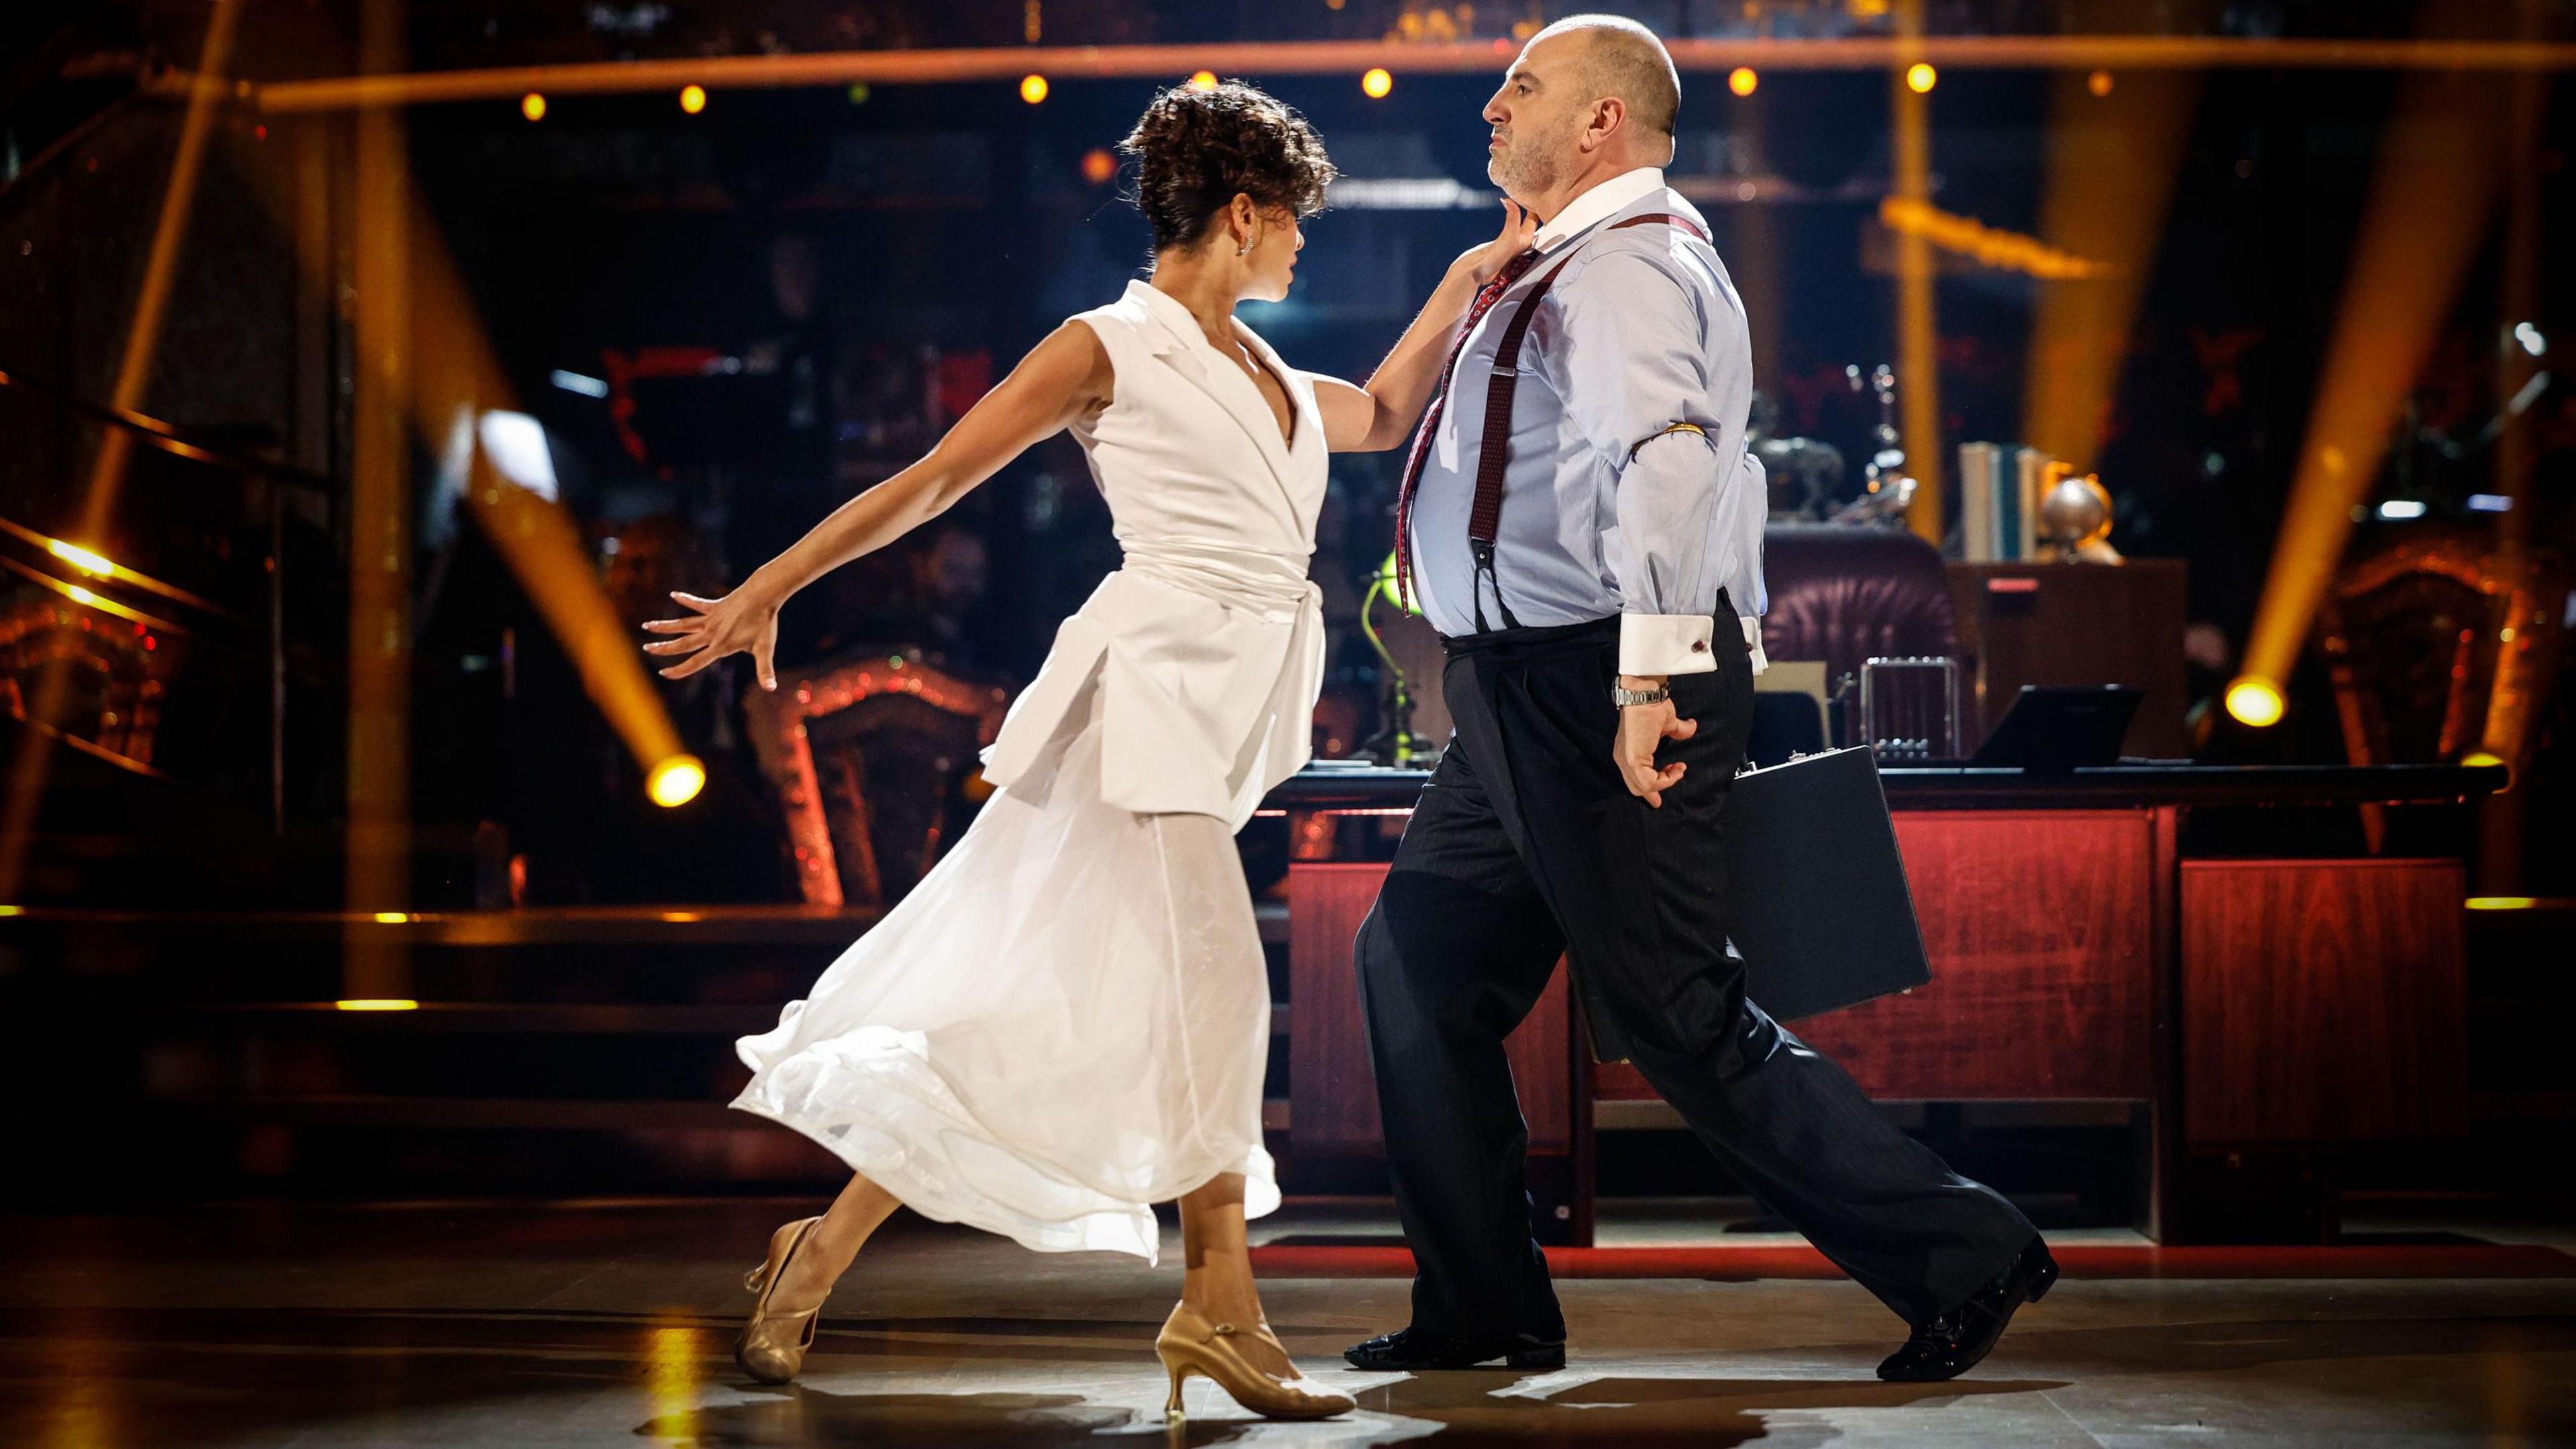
x=1493 y=456
x=1486 y=296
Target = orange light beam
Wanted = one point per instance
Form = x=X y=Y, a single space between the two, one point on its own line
x=2112 y=161
x=2435 y=187
x=67 y=551
x=377 y=778
x=459 y=374
x=152 y=302
x=1918 y=379
x=30 y=766
x=1127 y=62
x=544 y=550
x=91 y=599
x=1992 y=246
x=445 y=368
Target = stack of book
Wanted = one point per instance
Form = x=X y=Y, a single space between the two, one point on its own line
x=1999 y=488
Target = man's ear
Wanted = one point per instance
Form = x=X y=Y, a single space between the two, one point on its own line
x=1608 y=114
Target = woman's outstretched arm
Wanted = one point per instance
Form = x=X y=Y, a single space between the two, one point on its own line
x=1376 y=417
x=1062 y=378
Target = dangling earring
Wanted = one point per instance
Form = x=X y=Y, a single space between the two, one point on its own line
x=1244 y=250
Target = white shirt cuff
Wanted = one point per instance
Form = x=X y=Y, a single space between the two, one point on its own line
x=1665 y=644
x=1679 y=643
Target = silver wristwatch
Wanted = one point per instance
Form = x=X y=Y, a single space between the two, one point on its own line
x=1624 y=697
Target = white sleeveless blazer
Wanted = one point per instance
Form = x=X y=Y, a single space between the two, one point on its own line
x=1207 y=644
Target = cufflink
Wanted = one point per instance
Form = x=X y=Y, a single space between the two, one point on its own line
x=1699 y=646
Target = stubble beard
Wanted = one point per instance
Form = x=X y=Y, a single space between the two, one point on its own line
x=1528 y=166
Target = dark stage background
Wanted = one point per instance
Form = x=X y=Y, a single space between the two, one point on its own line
x=727 y=320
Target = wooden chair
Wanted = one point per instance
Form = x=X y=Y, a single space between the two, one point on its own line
x=120 y=675
x=2439 y=651
x=867 y=755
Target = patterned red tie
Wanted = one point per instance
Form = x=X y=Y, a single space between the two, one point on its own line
x=1486 y=297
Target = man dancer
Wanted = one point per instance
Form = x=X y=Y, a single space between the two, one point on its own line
x=1579 y=516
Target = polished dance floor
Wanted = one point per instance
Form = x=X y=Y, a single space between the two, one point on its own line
x=611 y=1324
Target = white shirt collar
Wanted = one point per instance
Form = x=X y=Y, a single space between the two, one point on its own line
x=1599 y=204
x=1167 y=309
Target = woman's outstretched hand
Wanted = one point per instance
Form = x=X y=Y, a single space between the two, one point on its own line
x=742 y=622
x=1485 y=262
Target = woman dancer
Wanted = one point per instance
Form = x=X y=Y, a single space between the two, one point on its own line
x=1066 y=1021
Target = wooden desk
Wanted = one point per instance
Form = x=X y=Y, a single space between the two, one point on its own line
x=2249 y=1004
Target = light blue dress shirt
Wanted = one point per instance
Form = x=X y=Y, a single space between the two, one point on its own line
x=1605 y=511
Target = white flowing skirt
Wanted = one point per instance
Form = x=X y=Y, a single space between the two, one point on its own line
x=1065 y=1022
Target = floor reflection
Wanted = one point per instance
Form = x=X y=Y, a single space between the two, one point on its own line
x=1455 y=1408
x=2184 y=1349
x=1489 y=1408
x=614 y=1326
x=674 y=1358
x=806 y=1416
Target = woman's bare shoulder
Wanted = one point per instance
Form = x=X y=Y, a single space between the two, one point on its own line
x=1076 y=352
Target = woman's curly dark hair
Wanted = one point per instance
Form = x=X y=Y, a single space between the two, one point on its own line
x=1196 y=150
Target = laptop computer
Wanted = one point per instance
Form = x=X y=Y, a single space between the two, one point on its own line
x=2052 y=729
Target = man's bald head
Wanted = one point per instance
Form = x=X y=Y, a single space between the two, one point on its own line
x=1589 y=97
x=1617 y=56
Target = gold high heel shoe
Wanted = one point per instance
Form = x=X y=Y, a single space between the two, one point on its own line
x=772 y=1346
x=1189 y=1344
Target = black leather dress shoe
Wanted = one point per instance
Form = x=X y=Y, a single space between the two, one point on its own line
x=1412 y=1350
x=1951 y=1344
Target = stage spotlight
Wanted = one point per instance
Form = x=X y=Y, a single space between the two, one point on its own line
x=2099 y=83
x=676 y=781
x=2484 y=759
x=2501 y=903
x=1033 y=88
x=693 y=99
x=2255 y=702
x=2529 y=336
x=1203 y=81
x=1098 y=166
x=378 y=1003
x=533 y=106
x=858 y=93
x=1742 y=80
x=80 y=558
x=1376 y=83
x=1920 y=77
x=2396 y=509
x=2490 y=503
x=582 y=383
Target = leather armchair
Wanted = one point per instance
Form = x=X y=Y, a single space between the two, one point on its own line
x=1843 y=594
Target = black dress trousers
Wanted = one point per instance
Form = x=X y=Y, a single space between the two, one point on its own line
x=1526 y=844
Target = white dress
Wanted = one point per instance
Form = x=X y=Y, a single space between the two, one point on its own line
x=1067 y=1020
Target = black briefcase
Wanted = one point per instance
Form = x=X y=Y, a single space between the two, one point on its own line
x=1816 y=897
